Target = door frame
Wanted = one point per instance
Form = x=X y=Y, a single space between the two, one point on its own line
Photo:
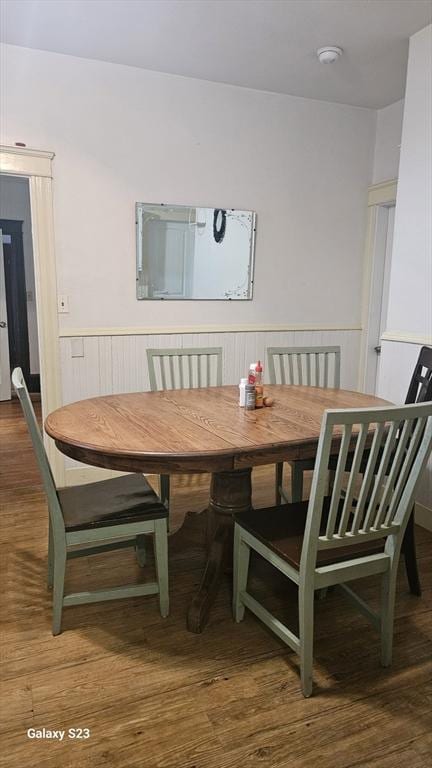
x=382 y=194
x=5 y=382
x=36 y=166
x=16 y=297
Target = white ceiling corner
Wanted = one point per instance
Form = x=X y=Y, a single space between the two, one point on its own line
x=262 y=44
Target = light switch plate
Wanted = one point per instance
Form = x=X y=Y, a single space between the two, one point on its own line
x=63 y=304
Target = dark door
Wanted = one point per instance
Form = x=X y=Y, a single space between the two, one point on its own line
x=16 y=300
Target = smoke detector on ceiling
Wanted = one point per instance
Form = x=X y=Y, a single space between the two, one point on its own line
x=329 y=54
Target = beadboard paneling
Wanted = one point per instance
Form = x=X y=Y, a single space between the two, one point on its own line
x=112 y=364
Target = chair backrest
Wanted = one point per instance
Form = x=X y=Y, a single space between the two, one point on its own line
x=396 y=442
x=184 y=368
x=420 y=388
x=38 y=447
x=307 y=366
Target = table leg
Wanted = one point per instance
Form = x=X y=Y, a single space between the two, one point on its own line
x=230 y=492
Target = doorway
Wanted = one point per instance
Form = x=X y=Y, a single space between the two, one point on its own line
x=19 y=331
x=379 y=246
x=35 y=166
x=379 y=292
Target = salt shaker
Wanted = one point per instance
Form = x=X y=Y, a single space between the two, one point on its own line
x=242 y=390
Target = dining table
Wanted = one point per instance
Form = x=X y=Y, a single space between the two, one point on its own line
x=195 y=431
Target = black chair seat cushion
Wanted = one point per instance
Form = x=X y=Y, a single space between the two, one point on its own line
x=125 y=499
x=281 y=529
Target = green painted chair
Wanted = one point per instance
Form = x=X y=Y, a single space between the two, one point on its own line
x=183 y=369
x=306 y=366
x=331 y=540
x=94 y=518
x=419 y=391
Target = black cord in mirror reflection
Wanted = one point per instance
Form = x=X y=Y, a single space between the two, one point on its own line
x=219 y=224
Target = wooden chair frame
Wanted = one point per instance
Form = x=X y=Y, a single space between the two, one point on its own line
x=314 y=373
x=420 y=388
x=63 y=544
x=419 y=391
x=176 y=377
x=398 y=453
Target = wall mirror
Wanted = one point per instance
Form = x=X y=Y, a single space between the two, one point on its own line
x=194 y=253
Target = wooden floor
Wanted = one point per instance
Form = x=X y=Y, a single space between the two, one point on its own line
x=155 y=696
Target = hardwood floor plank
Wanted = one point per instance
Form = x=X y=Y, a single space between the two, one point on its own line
x=157 y=696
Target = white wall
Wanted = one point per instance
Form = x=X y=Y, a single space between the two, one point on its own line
x=409 y=322
x=122 y=134
x=410 y=305
x=15 y=204
x=387 y=142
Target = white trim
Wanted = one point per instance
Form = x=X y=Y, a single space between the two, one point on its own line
x=36 y=166
x=406 y=338
x=378 y=194
x=170 y=330
x=21 y=161
x=423 y=516
x=382 y=193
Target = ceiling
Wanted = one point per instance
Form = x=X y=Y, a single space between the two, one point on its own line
x=263 y=44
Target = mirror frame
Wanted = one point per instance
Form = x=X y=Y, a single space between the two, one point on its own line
x=139 y=255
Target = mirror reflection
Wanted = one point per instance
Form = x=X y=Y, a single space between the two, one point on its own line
x=194 y=253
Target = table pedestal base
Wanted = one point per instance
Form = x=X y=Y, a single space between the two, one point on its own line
x=230 y=492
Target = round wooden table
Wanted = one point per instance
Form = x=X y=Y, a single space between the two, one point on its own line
x=200 y=430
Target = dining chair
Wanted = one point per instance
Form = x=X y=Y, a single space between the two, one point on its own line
x=329 y=540
x=420 y=387
x=94 y=518
x=419 y=391
x=306 y=366
x=183 y=369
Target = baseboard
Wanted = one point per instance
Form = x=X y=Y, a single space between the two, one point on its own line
x=78 y=476
x=84 y=475
x=423 y=516
x=81 y=476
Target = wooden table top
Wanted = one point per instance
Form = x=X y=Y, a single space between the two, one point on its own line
x=196 y=430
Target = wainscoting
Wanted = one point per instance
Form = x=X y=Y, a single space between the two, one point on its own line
x=108 y=364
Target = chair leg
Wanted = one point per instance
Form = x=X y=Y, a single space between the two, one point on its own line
x=409 y=550
x=296 y=483
x=388 y=593
x=164 y=489
x=278 y=482
x=306 y=627
x=240 y=573
x=58 y=588
x=161 y=558
x=140 y=551
x=50 y=577
x=164 y=492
